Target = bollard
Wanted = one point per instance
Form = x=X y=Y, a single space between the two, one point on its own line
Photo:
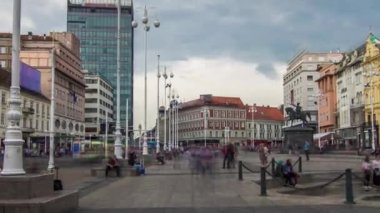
x=263 y=182
x=349 y=190
x=240 y=168
x=299 y=164
x=273 y=167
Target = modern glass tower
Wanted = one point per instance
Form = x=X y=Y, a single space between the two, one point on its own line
x=94 y=22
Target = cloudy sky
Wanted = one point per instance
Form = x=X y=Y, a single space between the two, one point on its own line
x=224 y=47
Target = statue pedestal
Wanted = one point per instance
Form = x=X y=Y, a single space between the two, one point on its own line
x=35 y=193
x=296 y=137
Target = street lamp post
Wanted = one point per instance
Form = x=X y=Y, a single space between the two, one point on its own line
x=118 y=146
x=126 y=132
x=176 y=118
x=13 y=163
x=205 y=125
x=319 y=96
x=156 y=24
x=166 y=85
x=253 y=110
x=170 y=119
x=158 y=106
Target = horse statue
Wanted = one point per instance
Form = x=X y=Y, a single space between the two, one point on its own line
x=297 y=115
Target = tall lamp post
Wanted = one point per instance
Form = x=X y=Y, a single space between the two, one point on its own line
x=158 y=106
x=170 y=120
x=118 y=146
x=370 y=74
x=205 y=125
x=176 y=123
x=156 y=24
x=319 y=96
x=13 y=163
x=167 y=85
x=253 y=110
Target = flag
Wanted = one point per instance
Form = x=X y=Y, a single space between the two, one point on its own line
x=373 y=39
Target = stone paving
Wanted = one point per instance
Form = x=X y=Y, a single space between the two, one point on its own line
x=170 y=188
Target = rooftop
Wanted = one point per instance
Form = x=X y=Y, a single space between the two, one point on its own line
x=210 y=100
x=266 y=113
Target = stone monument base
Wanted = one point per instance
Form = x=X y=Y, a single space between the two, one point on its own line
x=34 y=193
x=296 y=137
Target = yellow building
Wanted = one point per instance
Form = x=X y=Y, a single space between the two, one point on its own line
x=372 y=89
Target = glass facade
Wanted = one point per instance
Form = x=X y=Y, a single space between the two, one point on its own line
x=95 y=24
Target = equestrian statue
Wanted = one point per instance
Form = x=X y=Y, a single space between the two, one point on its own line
x=297 y=114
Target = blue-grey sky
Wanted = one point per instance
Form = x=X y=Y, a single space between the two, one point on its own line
x=224 y=47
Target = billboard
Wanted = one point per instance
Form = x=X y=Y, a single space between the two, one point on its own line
x=30 y=78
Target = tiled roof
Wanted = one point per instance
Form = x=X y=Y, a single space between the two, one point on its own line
x=265 y=113
x=209 y=100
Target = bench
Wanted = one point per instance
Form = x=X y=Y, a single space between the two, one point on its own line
x=101 y=172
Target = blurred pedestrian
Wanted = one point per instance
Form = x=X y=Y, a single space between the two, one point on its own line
x=366 y=168
x=306 y=149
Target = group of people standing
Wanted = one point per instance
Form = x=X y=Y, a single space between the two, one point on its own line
x=229 y=156
x=371 y=170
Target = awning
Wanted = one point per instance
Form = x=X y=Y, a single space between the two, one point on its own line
x=326 y=136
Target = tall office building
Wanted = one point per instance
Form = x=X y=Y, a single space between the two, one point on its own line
x=94 y=22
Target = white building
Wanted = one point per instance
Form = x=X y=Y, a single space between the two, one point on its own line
x=350 y=96
x=221 y=113
x=98 y=102
x=264 y=124
x=299 y=80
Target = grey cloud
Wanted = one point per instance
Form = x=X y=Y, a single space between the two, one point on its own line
x=256 y=31
x=267 y=69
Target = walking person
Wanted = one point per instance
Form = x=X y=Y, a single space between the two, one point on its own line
x=290 y=148
x=367 y=168
x=306 y=149
x=376 y=171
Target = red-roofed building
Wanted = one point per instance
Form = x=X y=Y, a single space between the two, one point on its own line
x=264 y=124
x=213 y=115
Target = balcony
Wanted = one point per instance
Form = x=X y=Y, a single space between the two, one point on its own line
x=356 y=105
x=28 y=110
x=27 y=130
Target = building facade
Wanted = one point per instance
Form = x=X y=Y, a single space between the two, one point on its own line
x=216 y=116
x=5 y=51
x=371 y=64
x=36 y=51
x=350 y=98
x=98 y=103
x=35 y=113
x=264 y=124
x=327 y=99
x=299 y=81
x=94 y=22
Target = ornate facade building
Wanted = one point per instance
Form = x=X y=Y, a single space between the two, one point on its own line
x=223 y=119
x=264 y=124
x=36 y=51
x=371 y=64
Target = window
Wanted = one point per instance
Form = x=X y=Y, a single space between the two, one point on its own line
x=2 y=119
x=309 y=77
x=3 y=101
x=3 y=50
x=2 y=63
x=310 y=89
